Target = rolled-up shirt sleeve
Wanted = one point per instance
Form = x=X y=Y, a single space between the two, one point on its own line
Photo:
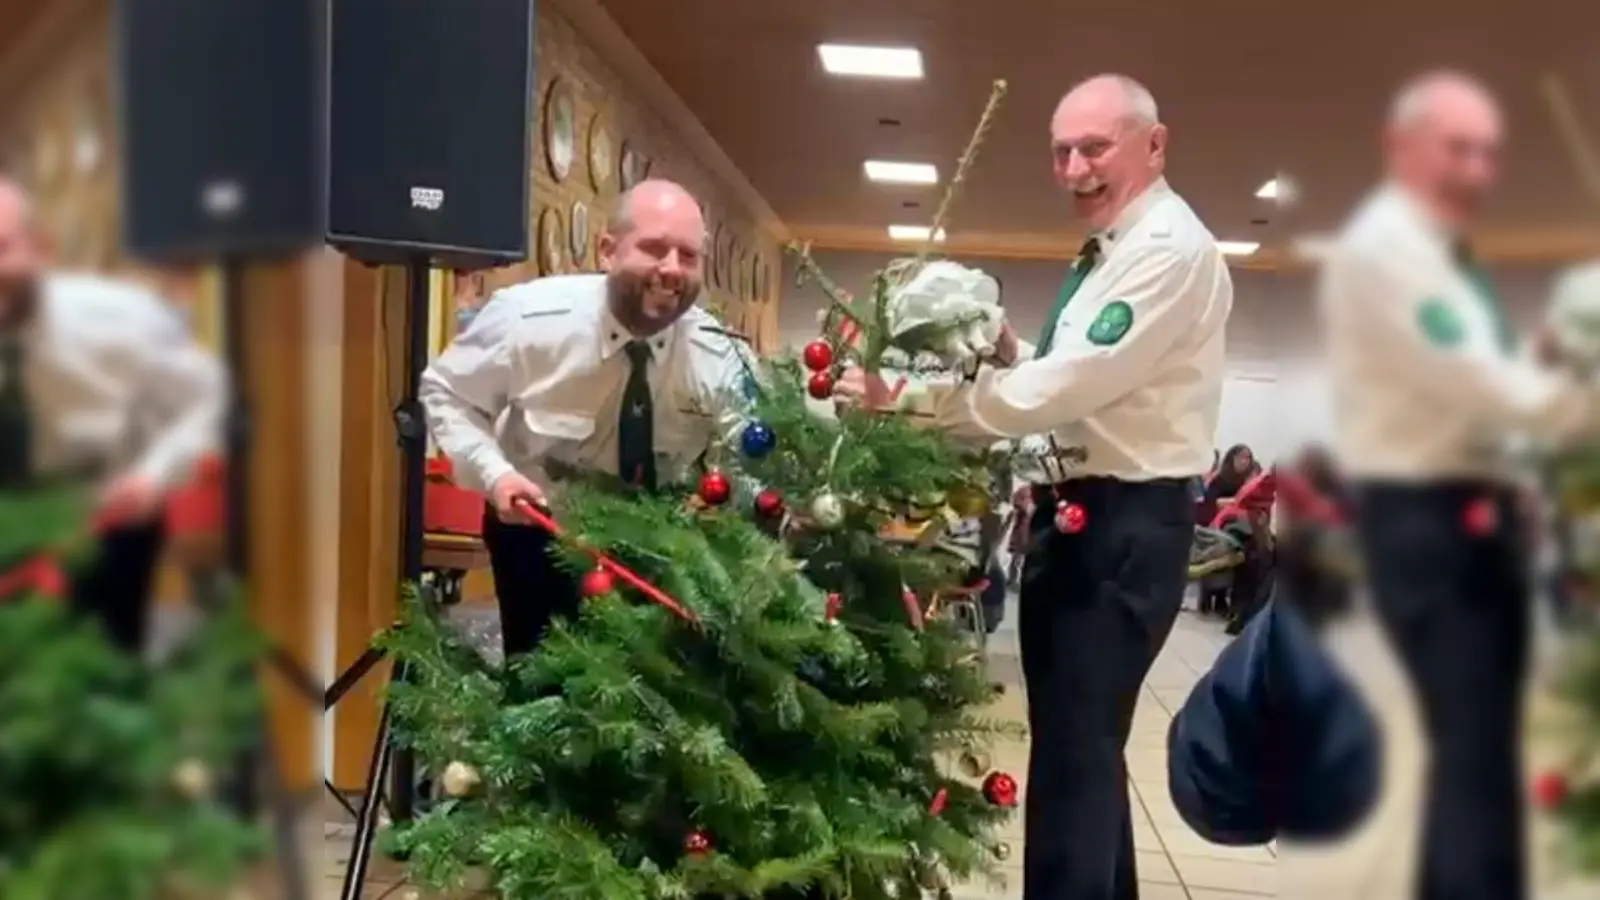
x=1164 y=290
x=466 y=389
x=1394 y=301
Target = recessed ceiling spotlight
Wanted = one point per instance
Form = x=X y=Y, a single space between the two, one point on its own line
x=914 y=233
x=1238 y=248
x=885 y=172
x=1280 y=190
x=854 y=60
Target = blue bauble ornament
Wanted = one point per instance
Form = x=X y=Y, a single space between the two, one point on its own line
x=758 y=440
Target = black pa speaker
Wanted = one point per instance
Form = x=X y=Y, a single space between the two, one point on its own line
x=221 y=107
x=428 y=136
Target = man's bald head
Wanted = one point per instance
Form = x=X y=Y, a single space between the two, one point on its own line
x=652 y=251
x=1443 y=143
x=1109 y=146
x=22 y=252
x=652 y=197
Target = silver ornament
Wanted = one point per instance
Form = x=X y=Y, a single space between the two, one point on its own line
x=827 y=510
x=460 y=779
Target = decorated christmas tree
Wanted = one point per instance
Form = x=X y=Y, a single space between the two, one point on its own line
x=765 y=693
x=108 y=764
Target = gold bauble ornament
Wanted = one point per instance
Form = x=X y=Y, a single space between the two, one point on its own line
x=192 y=778
x=975 y=763
x=970 y=502
x=460 y=779
x=1001 y=851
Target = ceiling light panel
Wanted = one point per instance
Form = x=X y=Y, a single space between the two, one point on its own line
x=857 y=61
x=888 y=172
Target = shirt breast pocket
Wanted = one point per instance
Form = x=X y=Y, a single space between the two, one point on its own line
x=557 y=434
x=684 y=432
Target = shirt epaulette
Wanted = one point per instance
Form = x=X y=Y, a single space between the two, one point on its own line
x=725 y=332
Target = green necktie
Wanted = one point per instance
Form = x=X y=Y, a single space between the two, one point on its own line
x=1080 y=270
x=16 y=431
x=636 y=452
x=1484 y=288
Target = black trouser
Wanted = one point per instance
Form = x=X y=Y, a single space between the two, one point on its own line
x=531 y=588
x=116 y=586
x=1096 y=608
x=1455 y=605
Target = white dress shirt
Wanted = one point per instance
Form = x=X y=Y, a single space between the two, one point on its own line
x=1143 y=407
x=1423 y=387
x=117 y=384
x=538 y=379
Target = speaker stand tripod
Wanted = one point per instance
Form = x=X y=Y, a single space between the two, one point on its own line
x=398 y=765
x=254 y=768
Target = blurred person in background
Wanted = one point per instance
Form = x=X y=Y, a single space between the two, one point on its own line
x=100 y=381
x=1227 y=478
x=1429 y=387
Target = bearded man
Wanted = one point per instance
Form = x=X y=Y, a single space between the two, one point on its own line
x=616 y=373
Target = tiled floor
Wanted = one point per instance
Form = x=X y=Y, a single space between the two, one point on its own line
x=1174 y=864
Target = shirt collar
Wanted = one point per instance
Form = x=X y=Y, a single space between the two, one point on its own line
x=614 y=335
x=1413 y=212
x=1131 y=214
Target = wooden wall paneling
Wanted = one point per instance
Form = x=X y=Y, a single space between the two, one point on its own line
x=280 y=588
x=375 y=343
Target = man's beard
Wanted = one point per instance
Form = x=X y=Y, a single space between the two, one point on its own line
x=647 y=306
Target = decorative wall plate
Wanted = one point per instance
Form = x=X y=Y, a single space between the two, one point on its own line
x=88 y=142
x=578 y=235
x=47 y=162
x=602 y=155
x=628 y=165
x=549 y=250
x=726 y=254
x=714 y=256
x=560 y=129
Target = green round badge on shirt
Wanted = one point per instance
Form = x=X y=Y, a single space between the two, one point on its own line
x=1112 y=324
x=1440 y=324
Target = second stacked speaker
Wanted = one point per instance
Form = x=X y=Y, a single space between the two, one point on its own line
x=429 y=130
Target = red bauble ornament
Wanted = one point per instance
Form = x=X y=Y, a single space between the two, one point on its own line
x=1000 y=789
x=698 y=843
x=715 y=489
x=818 y=356
x=941 y=799
x=1550 y=790
x=1481 y=518
x=820 y=387
x=597 y=582
x=835 y=603
x=1070 y=518
x=769 y=504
